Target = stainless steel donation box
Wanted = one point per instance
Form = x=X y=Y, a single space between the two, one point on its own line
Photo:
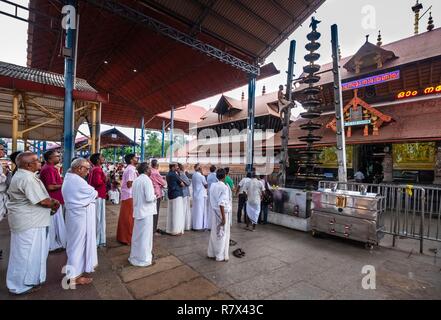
x=348 y=214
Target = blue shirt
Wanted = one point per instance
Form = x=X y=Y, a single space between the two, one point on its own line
x=174 y=186
x=211 y=179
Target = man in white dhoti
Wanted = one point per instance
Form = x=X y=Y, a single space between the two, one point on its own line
x=51 y=179
x=29 y=209
x=144 y=208
x=221 y=202
x=79 y=201
x=211 y=179
x=199 y=212
x=186 y=193
x=254 y=191
x=98 y=180
x=175 y=209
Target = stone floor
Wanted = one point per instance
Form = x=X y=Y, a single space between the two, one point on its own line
x=279 y=264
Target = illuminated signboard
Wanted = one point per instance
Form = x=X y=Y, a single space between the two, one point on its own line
x=357 y=123
x=415 y=93
x=365 y=82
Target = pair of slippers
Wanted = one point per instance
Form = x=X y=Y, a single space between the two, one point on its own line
x=238 y=253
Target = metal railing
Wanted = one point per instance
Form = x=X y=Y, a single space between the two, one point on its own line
x=412 y=212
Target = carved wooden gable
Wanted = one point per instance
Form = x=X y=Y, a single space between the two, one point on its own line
x=359 y=113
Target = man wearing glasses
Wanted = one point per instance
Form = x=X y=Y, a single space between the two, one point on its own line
x=51 y=179
x=29 y=210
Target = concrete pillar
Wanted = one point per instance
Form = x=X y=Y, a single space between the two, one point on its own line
x=15 y=116
x=93 y=133
x=437 y=179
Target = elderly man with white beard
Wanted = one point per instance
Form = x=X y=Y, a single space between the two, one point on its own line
x=144 y=202
x=29 y=210
x=79 y=201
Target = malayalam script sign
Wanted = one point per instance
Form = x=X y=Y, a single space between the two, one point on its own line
x=357 y=123
x=370 y=81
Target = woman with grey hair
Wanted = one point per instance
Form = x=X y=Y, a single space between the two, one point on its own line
x=79 y=200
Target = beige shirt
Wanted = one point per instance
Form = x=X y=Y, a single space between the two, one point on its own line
x=25 y=192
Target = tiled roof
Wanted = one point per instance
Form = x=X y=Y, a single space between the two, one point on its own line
x=416 y=48
x=40 y=76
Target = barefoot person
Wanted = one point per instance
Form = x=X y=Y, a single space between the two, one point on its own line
x=254 y=191
x=79 y=200
x=98 y=180
x=51 y=179
x=125 y=220
x=221 y=203
x=175 y=209
x=199 y=211
x=29 y=209
x=144 y=203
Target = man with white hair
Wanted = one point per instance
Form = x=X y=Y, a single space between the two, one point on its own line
x=144 y=202
x=79 y=201
x=29 y=210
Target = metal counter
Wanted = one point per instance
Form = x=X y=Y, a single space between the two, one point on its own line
x=348 y=214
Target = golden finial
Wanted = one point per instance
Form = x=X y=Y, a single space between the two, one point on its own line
x=243 y=96
x=430 y=26
x=379 y=39
x=263 y=90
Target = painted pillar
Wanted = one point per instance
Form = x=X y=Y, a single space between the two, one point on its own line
x=163 y=139
x=98 y=128
x=250 y=125
x=44 y=146
x=142 y=139
x=338 y=104
x=114 y=155
x=68 y=138
x=15 y=116
x=134 y=140
x=172 y=120
x=93 y=135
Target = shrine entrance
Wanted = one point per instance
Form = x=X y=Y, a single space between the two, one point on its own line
x=369 y=159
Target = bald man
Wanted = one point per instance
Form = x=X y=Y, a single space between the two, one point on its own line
x=79 y=201
x=29 y=211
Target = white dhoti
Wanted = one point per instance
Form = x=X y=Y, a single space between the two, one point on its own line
x=198 y=212
x=27 y=259
x=57 y=231
x=219 y=242
x=142 y=242
x=208 y=215
x=81 y=240
x=187 y=213
x=100 y=221
x=253 y=212
x=175 y=216
x=114 y=196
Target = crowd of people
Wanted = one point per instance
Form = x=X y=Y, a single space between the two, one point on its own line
x=48 y=213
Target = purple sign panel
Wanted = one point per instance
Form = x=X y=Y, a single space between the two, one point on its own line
x=365 y=82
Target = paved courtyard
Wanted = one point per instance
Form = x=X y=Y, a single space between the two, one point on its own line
x=279 y=264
